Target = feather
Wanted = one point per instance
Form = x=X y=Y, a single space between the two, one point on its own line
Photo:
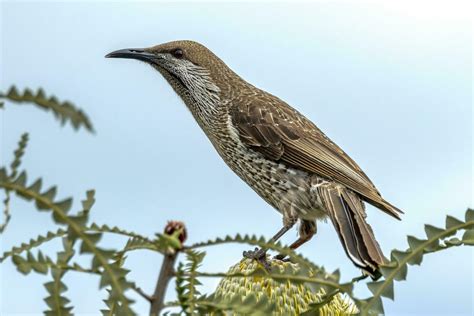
x=270 y=126
x=347 y=214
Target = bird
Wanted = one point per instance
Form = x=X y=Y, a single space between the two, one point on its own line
x=282 y=155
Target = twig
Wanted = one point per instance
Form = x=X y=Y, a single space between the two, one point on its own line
x=142 y=293
x=166 y=273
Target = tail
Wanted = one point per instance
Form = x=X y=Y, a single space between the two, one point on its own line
x=347 y=213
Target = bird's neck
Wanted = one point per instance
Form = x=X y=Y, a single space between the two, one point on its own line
x=207 y=95
x=204 y=102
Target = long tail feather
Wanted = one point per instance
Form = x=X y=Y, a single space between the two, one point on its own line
x=347 y=213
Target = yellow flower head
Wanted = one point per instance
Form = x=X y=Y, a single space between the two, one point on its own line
x=289 y=298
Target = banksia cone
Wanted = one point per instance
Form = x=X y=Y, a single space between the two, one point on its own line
x=288 y=298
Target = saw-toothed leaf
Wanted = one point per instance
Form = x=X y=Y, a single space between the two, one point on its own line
x=262 y=243
x=453 y=242
x=336 y=275
x=48 y=195
x=468 y=237
x=414 y=242
x=399 y=271
x=452 y=221
x=50 y=287
x=21 y=179
x=21 y=264
x=414 y=255
x=384 y=288
x=36 y=186
x=101 y=258
x=64 y=205
x=39 y=265
x=89 y=201
x=32 y=243
x=416 y=258
x=18 y=154
x=432 y=231
x=377 y=307
x=63 y=111
x=80 y=220
x=470 y=215
x=93 y=238
x=399 y=255
x=3 y=174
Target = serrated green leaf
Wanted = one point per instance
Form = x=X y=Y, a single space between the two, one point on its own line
x=64 y=205
x=21 y=264
x=452 y=221
x=49 y=195
x=385 y=289
x=89 y=201
x=36 y=186
x=21 y=179
x=63 y=111
x=453 y=242
x=18 y=154
x=468 y=237
x=414 y=255
x=414 y=242
x=32 y=243
x=416 y=258
x=377 y=307
x=432 y=231
x=469 y=215
x=400 y=271
x=399 y=255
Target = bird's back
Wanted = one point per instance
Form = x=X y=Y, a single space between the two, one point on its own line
x=270 y=126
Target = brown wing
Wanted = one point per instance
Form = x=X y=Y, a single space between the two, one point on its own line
x=273 y=128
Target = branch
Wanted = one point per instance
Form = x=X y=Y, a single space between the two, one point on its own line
x=174 y=229
x=166 y=273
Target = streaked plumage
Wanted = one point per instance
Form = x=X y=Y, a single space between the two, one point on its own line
x=275 y=149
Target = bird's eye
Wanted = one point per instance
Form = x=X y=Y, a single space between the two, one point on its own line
x=178 y=53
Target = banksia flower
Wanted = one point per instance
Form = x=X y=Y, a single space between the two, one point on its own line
x=288 y=298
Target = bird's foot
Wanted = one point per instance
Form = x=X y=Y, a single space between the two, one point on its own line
x=260 y=255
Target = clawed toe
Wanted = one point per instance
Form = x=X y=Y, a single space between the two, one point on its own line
x=258 y=254
x=254 y=254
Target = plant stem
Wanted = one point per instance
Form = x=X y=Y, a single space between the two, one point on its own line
x=166 y=273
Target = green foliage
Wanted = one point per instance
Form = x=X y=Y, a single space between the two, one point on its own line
x=56 y=302
x=33 y=243
x=39 y=264
x=260 y=242
x=437 y=239
x=113 y=275
x=63 y=111
x=17 y=155
x=249 y=291
x=187 y=282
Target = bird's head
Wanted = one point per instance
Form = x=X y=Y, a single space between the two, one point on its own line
x=188 y=66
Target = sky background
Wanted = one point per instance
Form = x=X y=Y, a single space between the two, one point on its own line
x=389 y=81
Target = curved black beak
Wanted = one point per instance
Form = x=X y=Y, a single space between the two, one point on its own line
x=132 y=53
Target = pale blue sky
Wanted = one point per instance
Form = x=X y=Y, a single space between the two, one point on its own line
x=390 y=84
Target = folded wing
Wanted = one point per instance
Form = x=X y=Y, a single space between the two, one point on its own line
x=273 y=128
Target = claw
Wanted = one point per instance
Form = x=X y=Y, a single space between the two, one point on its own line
x=260 y=255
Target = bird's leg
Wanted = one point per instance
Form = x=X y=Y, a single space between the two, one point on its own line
x=260 y=254
x=293 y=246
x=307 y=230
